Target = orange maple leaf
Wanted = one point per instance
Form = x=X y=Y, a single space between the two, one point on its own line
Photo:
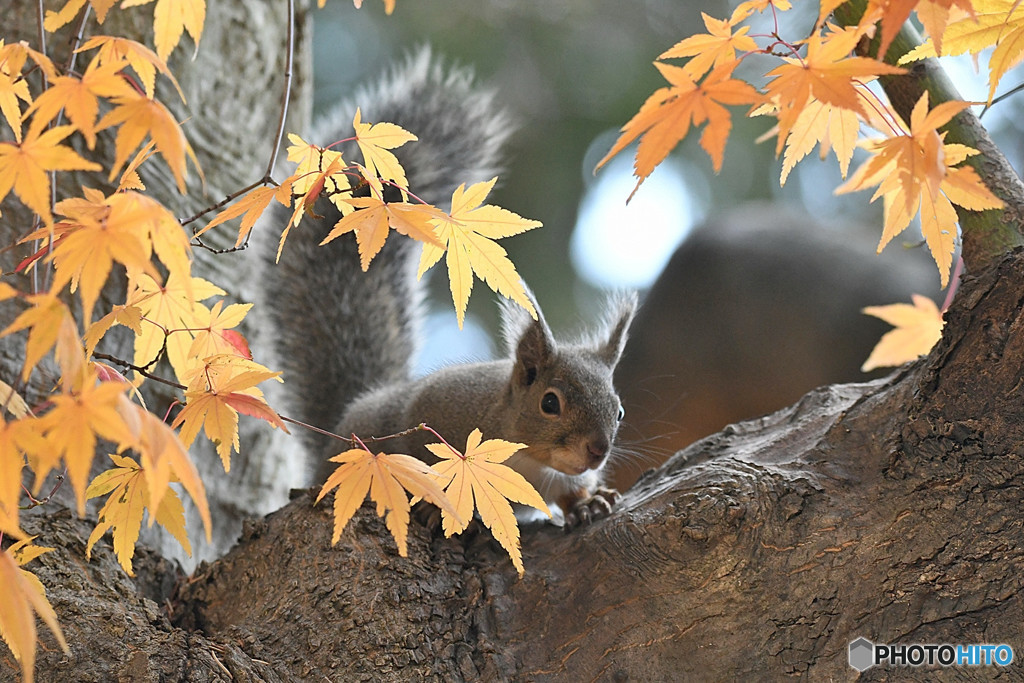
x=13 y=86
x=468 y=233
x=169 y=312
x=833 y=127
x=386 y=477
x=717 y=48
x=828 y=73
x=213 y=334
x=986 y=23
x=745 y=9
x=918 y=328
x=914 y=172
x=163 y=459
x=666 y=116
x=25 y=166
x=478 y=479
x=125 y=227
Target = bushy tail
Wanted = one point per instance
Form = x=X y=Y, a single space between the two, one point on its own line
x=340 y=331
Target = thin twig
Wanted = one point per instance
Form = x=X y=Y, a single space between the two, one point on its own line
x=76 y=40
x=40 y=13
x=286 y=95
x=267 y=178
x=139 y=369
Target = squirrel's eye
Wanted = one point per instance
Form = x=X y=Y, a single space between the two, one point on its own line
x=622 y=413
x=550 y=404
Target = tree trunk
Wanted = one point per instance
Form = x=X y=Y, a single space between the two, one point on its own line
x=888 y=510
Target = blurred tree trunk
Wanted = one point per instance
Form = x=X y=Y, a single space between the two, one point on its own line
x=888 y=510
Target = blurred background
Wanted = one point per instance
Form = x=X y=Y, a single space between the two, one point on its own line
x=572 y=72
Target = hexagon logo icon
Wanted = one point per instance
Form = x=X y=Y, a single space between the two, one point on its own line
x=862 y=654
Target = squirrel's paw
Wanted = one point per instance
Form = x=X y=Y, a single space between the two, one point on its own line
x=586 y=510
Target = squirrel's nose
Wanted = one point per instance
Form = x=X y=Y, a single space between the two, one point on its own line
x=597 y=449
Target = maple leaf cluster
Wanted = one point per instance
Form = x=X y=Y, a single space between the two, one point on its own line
x=465 y=236
x=458 y=484
x=78 y=242
x=820 y=96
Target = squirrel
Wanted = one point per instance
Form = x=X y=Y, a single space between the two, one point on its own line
x=346 y=338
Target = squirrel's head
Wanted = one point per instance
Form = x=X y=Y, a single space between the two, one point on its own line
x=568 y=410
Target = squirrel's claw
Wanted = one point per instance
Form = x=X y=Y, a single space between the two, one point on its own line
x=587 y=510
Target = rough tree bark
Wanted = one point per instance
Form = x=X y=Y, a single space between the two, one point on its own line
x=888 y=510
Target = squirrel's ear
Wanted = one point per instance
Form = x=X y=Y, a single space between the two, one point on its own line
x=620 y=314
x=529 y=342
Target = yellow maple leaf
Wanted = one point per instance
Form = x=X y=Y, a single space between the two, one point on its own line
x=171 y=18
x=145 y=62
x=833 y=127
x=251 y=207
x=745 y=9
x=122 y=512
x=223 y=387
x=318 y=171
x=163 y=459
x=13 y=87
x=78 y=98
x=12 y=402
x=137 y=117
x=478 y=478
x=828 y=73
x=25 y=167
x=169 y=311
x=130 y=179
x=914 y=173
x=374 y=219
x=918 y=327
x=468 y=233
x=665 y=118
x=713 y=49
x=387 y=477
x=127 y=314
x=52 y=325
x=979 y=25
x=375 y=141
x=73 y=426
x=213 y=334
x=55 y=20
x=16 y=439
x=21 y=599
